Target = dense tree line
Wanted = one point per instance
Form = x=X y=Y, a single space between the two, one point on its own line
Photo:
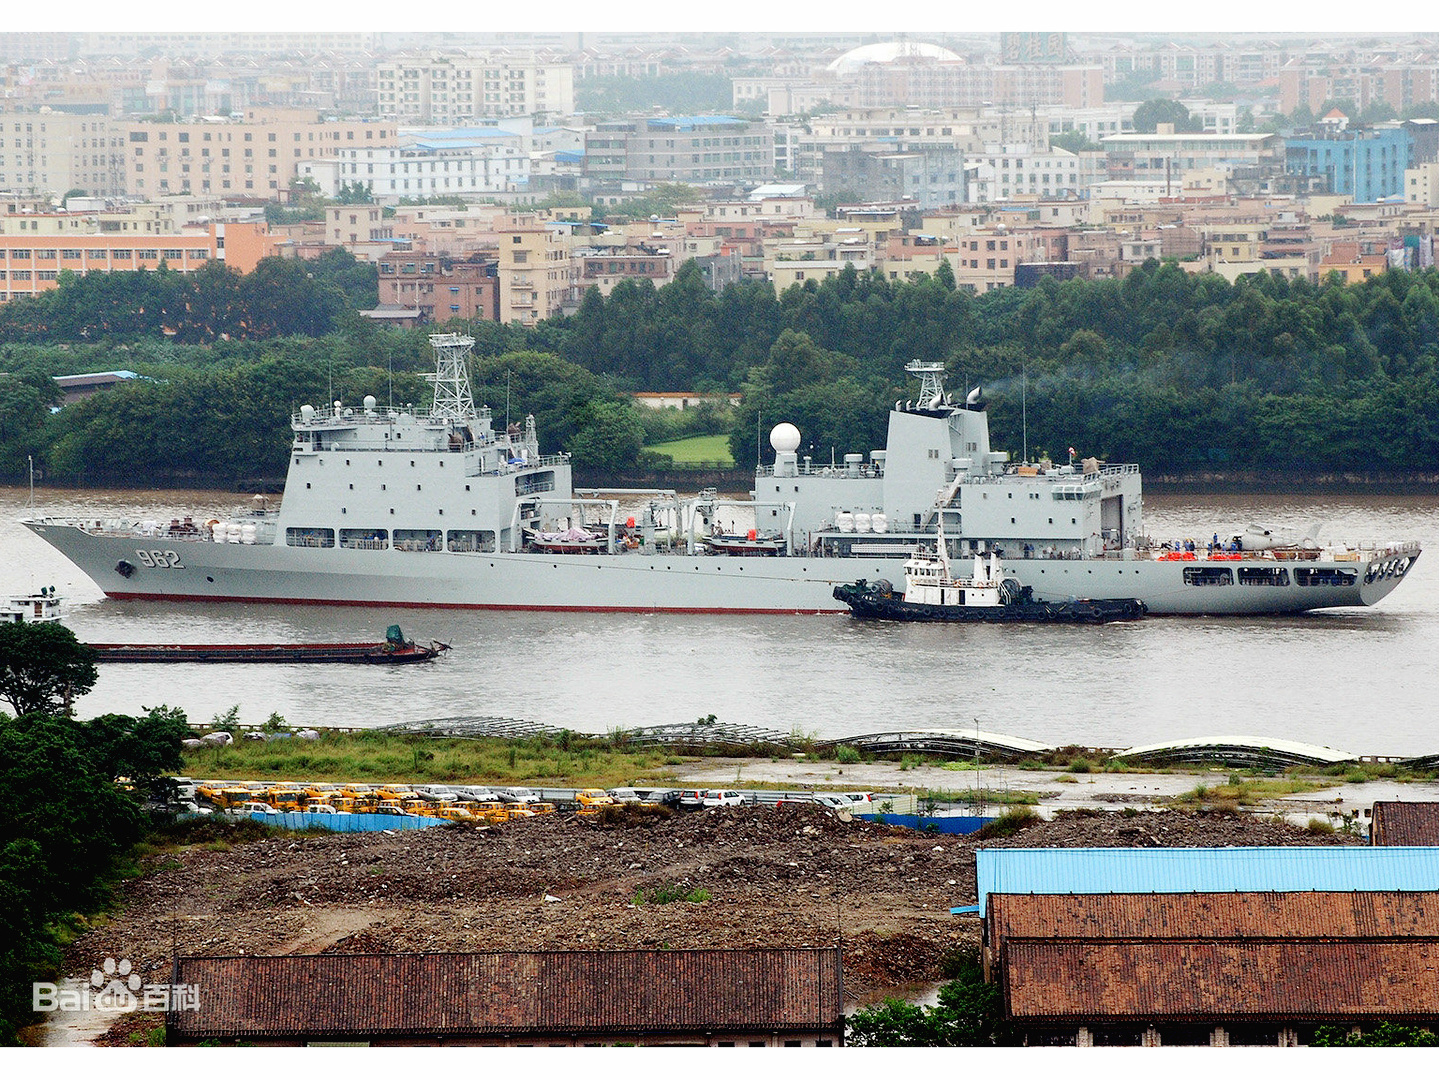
x=279 y=297
x=70 y=805
x=1165 y=368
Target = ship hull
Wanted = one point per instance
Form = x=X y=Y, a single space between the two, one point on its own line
x=633 y=582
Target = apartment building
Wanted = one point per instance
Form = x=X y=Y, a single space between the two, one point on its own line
x=939 y=83
x=31 y=265
x=346 y=226
x=1005 y=172
x=804 y=147
x=536 y=275
x=1233 y=250
x=682 y=149
x=258 y=156
x=421 y=165
x=928 y=178
x=1367 y=165
x=986 y=259
x=1245 y=65
x=52 y=153
x=440 y=288
x=1422 y=184
x=1399 y=84
x=458 y=89
x=1164 y=155
x=604 y=268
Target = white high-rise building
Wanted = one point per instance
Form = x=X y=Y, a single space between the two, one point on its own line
x=458 y=89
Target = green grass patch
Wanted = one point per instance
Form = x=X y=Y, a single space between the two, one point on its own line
x=996 y=798
x=386 y=757
x=1237 y=792
x=697 y=449
x=669 y=894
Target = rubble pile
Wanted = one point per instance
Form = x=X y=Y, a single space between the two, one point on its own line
x=751 y=877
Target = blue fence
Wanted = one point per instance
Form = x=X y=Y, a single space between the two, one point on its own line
x=951 y=826
x=298 y=819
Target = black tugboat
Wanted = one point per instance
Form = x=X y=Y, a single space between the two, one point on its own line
x=933 y=594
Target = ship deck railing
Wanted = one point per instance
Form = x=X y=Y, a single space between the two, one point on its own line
x=842 y=471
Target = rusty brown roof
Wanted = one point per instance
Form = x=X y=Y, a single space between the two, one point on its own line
x=1217 y=981
x=1405 y=824
x=501 y=993
x=1213 y=915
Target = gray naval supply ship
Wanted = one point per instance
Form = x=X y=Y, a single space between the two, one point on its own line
x=437 y=508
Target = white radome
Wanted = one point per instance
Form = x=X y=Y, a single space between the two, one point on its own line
x=784 y=438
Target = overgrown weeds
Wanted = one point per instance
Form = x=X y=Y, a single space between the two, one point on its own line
x=669 y=894
x=1008 y=823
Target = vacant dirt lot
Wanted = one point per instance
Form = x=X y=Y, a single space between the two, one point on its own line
x=792 y=876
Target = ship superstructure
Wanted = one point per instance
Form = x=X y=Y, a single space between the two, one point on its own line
x=435 y=507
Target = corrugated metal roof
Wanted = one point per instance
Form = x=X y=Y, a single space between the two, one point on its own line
x=1172 y=870
x=440 y=994
x=1220 y=981
x=1221 y=745
x=1214 y=915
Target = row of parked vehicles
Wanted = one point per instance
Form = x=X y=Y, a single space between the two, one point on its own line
x=469 y=803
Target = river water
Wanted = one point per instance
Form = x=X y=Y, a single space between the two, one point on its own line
x=1365 y=680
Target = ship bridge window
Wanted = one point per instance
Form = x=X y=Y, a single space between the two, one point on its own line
x=1264 y=575
x=310 y=537
x=1208 y=575
x=365 y=539
x=1309 y=576
x=530 y=483
x=418 y=540
x=471 y=540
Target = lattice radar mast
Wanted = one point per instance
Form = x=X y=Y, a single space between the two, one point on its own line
x=453 y=400
x=932 y=383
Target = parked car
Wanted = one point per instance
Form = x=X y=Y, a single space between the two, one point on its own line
x=592 y=797
x=716 y=797
x=518 y=795
x=246 y=808
x=663 y=797
x=690 y=799
x=863 y=802
x=624 y=795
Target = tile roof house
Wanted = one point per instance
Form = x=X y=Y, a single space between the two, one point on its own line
x=755 y=997
x=1217 y=968
x=1405 y=824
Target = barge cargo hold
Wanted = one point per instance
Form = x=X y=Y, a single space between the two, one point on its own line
x=393 y=650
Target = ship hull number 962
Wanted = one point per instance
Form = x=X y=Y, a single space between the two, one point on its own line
x=159 y=560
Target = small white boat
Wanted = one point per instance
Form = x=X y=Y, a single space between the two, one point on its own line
x=37 y=607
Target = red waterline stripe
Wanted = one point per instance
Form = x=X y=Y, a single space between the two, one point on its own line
x=634 y=610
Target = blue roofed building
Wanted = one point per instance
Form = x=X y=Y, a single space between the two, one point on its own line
x=1328 y=868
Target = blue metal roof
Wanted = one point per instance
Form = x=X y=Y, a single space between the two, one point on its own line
x=1177 y=870
x=686 y=123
